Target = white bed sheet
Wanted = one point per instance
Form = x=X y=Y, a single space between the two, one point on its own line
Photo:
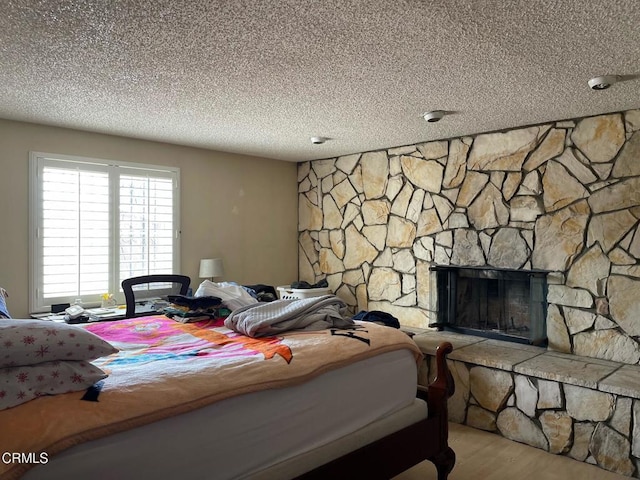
x=239 y=436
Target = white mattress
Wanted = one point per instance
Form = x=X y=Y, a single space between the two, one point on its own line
x=307 y=461
x=240 y=436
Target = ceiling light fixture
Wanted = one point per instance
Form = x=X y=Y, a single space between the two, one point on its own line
x=434 y=116
x=318 y=140
x=603 y=82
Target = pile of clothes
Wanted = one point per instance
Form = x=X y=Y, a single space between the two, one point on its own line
x=302 y=284
x=272 y=318
x=232 y=295
x=4 y=311
x=194 y=309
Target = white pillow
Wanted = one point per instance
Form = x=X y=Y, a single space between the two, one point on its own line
x=21 y=384
x=27 y=342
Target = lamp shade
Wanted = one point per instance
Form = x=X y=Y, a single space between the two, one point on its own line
x=211 y=267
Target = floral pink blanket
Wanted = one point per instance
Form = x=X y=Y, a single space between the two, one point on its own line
x=166 y=368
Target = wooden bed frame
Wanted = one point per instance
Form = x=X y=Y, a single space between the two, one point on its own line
x=393 y=454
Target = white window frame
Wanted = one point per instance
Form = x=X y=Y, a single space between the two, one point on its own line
x=37 y=160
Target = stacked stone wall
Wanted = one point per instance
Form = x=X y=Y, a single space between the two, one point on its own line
x=563 y=196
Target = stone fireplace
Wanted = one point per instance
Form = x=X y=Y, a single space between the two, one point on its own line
x=503 y=304
x=563 y=197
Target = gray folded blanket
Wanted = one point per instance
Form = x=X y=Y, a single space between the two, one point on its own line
x=265 y=319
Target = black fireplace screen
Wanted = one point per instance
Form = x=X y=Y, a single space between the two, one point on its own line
x=495 y=303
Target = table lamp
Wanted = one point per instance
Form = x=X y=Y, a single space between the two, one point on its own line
x=211 y=268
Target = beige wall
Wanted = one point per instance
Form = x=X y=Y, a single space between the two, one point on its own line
x=243 y=209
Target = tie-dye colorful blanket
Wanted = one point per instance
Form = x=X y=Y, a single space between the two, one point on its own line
x=165 y=368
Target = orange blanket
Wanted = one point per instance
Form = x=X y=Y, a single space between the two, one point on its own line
x=166 y=368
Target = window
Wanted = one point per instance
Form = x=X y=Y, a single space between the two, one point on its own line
x=95 y=223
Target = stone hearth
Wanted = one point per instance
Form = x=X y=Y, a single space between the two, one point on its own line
x=585 y=408
x=562 y=196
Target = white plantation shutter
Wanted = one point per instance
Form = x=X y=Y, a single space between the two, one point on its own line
x=74 y=232
x=146 y=225
x=95 y=223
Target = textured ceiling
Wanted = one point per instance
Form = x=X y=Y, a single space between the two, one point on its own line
x=261 y=77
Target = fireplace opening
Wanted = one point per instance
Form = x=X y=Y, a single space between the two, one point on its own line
x=492 y=302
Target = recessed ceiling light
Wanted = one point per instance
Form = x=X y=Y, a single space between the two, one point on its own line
x=318 y=140
x=434 y=116
x=603 y=82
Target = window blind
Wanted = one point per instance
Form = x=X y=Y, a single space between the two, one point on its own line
x=146 y=225
x=96 y=223
x=75 y=232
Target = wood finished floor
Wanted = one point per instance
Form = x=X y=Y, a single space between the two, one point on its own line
x=487 y=456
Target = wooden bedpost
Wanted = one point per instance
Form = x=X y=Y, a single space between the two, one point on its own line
x=442 y=386
x=439 y=392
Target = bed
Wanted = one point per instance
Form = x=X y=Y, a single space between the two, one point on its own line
x=198 y=400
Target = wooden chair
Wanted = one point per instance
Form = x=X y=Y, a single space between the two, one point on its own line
x=145 y=287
